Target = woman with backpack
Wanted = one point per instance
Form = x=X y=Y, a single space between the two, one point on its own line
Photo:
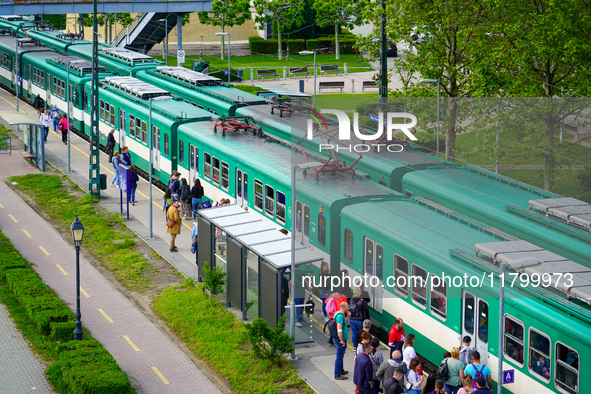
x=133 y=179
x=453 y=382
x=64 y=126
x=196 y=197
x=359 y=312
x=377 y=358
x=185 y=197
x=168 y=198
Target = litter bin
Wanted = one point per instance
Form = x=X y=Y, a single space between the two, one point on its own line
x=103 y=181
x=239 y=75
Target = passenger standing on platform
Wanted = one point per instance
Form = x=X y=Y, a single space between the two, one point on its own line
x=453 y=383
x=408 y=351
x=395 y=384
x=466 y=350
x=168 y=200
x=64 y=127
x=133 y=179
x=110 y=148
x=196 y=197
x=39 y=104
x=377 y=358
x=365 y=338
x=430 y=385
x=362 y=375
x=300 y=294
x=467 y=385
x=359 y=312
x=45 y=120
x=438 y=387
x=195 y=243
x=125 y=156
x=481 y=384
x=173 y=214
x=174 y=184
x=324 y=287
x=388 y=368
x=56 y=115
x=477 y=369
x=185 y=197
x=344 y=287
x=366 y=328
x=341 y=318
x=396 y=336
x=116 y=168
x=413 y=377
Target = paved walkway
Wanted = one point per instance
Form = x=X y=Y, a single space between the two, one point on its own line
x=20 y=370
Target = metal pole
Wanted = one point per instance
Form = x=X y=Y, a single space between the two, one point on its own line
x=497 y=159
x=150 y=165
x=315 y=78
x=116 y=28
x=68 y=109
x=438 y=84
x=78 y=331
x=228 y=57
x=501 y=319
x=292 y=292
x=17 y=70
x=384 y=57
x=166 y=41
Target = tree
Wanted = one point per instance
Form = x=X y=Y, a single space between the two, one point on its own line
x=308 y=28
x=284 y=13
x=226 y=13
x=267 y=343
x=333 y=12
x=214 y=279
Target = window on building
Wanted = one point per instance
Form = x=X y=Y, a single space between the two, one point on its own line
x=225 y=176
x=566 y=376
x=419 y=286
x=321 y=229
x=438 y=297
x=269 y=200
x=216 y=170
x=166 y=144
x=539 y=354
x=280 y=209
x=258 y=194
x=207 y=166
x=181 y=151
x=348 y=246
x=401 y=275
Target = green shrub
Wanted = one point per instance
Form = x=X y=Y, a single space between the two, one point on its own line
x=429 y=141
x=262 y=46
x=10 y=259
x=75 y=345
x=295 y=46
x=347 y=45
x=325 y=44
x=311 y=45
x=63 y=331
x=248 y=88
x=269 y=344
x=214 y=279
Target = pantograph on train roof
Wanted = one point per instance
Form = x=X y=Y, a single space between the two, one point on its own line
x=11 y=18
x=77 y=63
x=128 y=55
x=137 y=87
x=568 y=277
x=190 y=76
x=567 y=209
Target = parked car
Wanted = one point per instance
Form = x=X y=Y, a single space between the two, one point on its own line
x=392 y=49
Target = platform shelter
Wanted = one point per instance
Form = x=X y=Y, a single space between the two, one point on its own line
x=33 y=136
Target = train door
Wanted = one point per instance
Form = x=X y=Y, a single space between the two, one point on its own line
x=374 y=263
x=122 y=127
x=48 y=92
x=194 y=164
x=302 y=223
x=156 y=147
x=30 y=82
x=241 y=188
x=475 y=323
x=13 y=69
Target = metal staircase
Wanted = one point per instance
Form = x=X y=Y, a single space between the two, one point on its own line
x=146 y=30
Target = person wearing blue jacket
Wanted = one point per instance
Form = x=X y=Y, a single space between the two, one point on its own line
x=133 y=179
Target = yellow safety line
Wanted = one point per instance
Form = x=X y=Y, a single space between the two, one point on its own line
x=44 y=251
x=312 y=317
x=83 y=292
x=28 y=235
x=61 y=269
x=131 y=343
x=160 y=375
x=86 y=154
x=12 y=217
x=106 y=316
x=12 y=104
x=1 y=206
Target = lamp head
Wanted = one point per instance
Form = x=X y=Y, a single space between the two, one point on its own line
x=77 y=231
x=306 y=52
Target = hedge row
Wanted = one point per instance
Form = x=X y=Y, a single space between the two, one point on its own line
x=84 y=366
x=259 y=45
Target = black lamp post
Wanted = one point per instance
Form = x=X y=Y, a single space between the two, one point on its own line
x=77 y=234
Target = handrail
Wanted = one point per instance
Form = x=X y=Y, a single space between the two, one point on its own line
x=129 y=28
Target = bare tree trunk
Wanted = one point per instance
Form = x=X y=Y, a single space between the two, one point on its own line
x=549 y=160
x=450 y=128
x=279 y=38
x=336 y=38
x=222 y=47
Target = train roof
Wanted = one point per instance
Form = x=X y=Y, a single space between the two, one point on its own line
x=9 y=44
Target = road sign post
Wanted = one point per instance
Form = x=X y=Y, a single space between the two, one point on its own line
x=180 y=57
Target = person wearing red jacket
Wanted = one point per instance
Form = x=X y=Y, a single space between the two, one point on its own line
x=396 y=336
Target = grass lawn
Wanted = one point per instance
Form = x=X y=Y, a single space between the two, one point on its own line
x=217 y=337
x=567 y=182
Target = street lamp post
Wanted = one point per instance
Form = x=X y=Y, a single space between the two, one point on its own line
x=151 y=145
x=226 y=34
x=77 y=234
x=310 y=53
x=502 y=267
x=68 y=101
x=438 y=86
x=304 y=166
x=165 y=40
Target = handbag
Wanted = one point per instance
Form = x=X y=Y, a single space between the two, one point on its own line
x=310 y=307
x=169 y=222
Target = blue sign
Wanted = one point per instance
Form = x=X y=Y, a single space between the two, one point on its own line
x=124 y=175
x=20 y=79
x=225 y=72
x=509 y=376
x=375 y=118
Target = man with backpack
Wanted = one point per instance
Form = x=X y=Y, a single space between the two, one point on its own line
x=174 y=184
x=39 y=105
x=466 y=350
x=339 y=333
x=478 y=370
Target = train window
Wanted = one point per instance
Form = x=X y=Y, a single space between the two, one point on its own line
x=166 y=144
x=483 y=321
x=138 y=128
x=181 y=151
x=5 y=61
x=207 y=166
x=566 y=376
x=306 y=221
x=258 y=194
x=348 y=246
x=113 y=115
x=38 y=77
x=280 y=209
x=225 y=176
x=438 y=297
x=513 y=342
x=539 y=354
x=216 y=170
x=269 y=200
x=419 y=286
x=469 y=307
x=102 y=110
x=144 y=132
x=321 y=230
x=401 y=275
x=131 y=125
x=299 y=217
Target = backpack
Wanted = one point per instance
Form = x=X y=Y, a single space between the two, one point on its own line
x=466 y=355
x=354 y=309
x=185 y=192
x=332 y=327
x=478 y=375
x=443 y=370
x=330 y=306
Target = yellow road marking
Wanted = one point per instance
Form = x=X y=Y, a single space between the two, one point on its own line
x=131 y=343
x=28 y=235
x=83 y=292
x=160 y=375
x=86 y=154
x=106 y=316
x=44 y=251
x=61 y=269
x=315 y=321
x=12 y=217
x=1 y=206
